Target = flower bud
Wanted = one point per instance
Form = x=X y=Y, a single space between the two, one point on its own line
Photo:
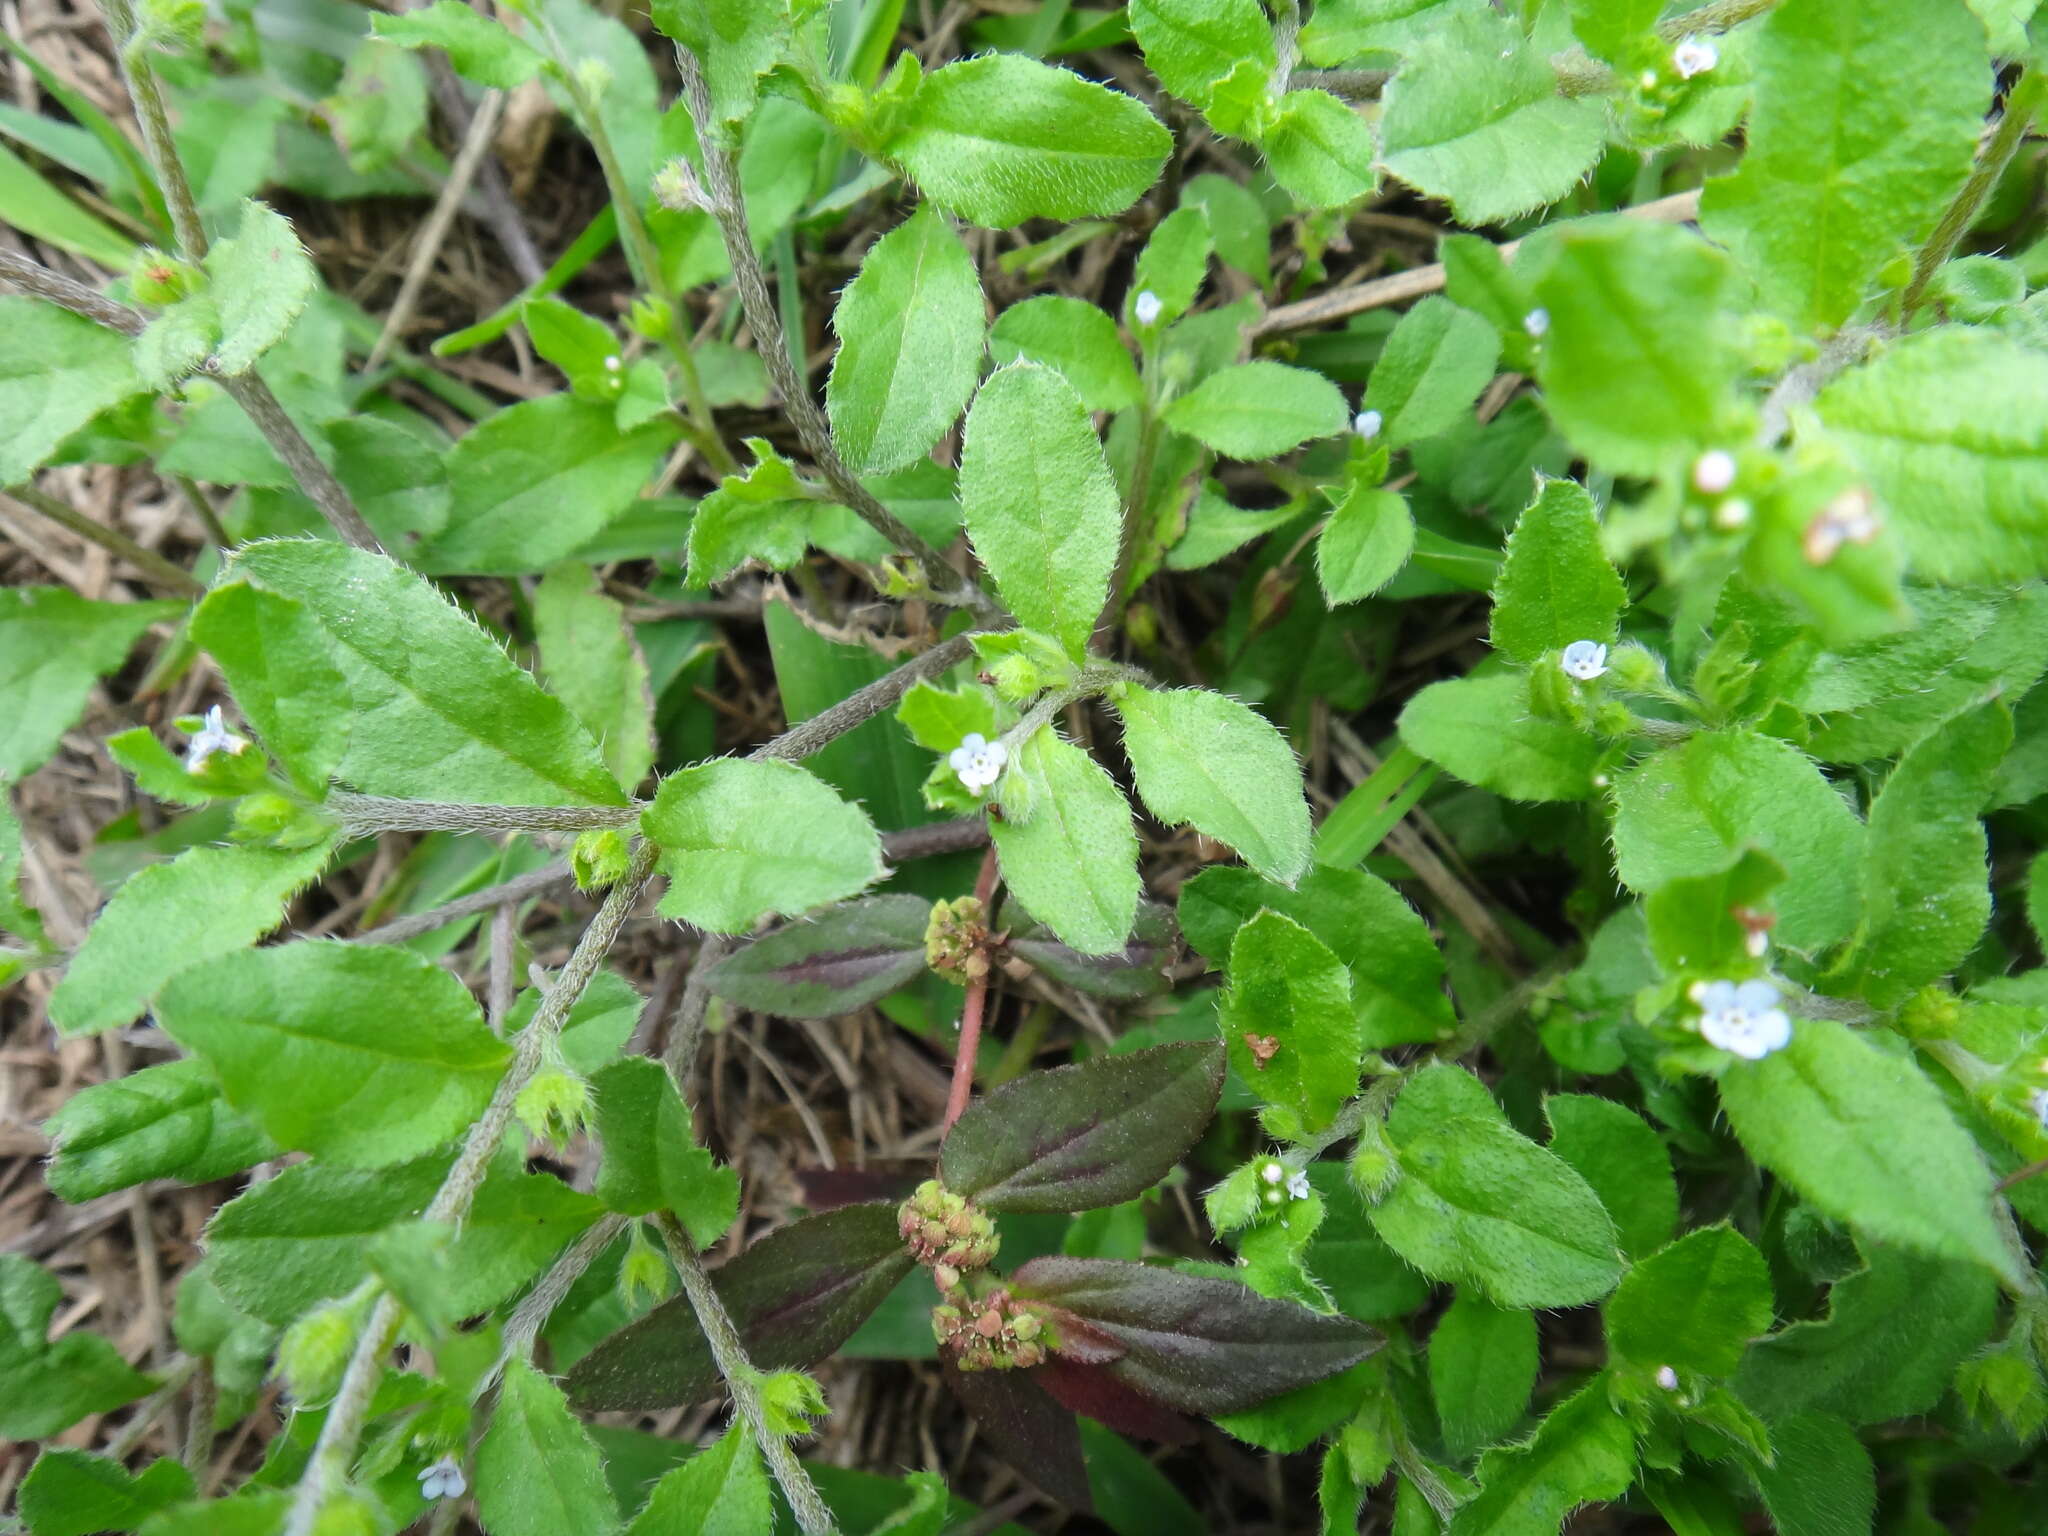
x=652 y=316
x=942 y=1229
x=644 y=1273
x=553 y=1105
x=315 y=1350
x=156 y=279
x=598 y=858
x=957 y=941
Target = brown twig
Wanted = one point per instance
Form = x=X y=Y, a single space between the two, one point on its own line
x=969 y=1047
x=153 y=566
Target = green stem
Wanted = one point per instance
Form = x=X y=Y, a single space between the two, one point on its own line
x=743 y=1381
x=155 y=119
x=2021 y=103
x=645 y=257
x=1137 y=502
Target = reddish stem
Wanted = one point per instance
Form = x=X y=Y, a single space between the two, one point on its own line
x=969 y=1047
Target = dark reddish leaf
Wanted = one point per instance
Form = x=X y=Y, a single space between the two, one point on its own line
x=1090 y=1135
x=796 y=1295
x=1136 y=970
x=1196 y=1343
x=1096 y=1392
x=823 y=966
x=827 y=1189
x=1029 y=1430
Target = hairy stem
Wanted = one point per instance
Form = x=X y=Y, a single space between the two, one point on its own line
x=535 y=1307
x=335 y=1450
x=728 y=207
x=155 y=120
x=162 y=572
x=968 y=1050
x=742 y=1381
x=2021 y=103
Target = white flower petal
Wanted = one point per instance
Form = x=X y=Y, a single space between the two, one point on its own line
x=1148 y=307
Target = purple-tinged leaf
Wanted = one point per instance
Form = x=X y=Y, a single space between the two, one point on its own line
x=1091 y=1390
x=828 y=1189
x=1137 y=970
x=796 y=1295
x=831 y=964
x=1075 y=1138
x=1193 y=1342
x=1028 y=1429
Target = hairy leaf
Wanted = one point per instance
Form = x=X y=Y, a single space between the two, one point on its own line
x=1073 y=864
x=1555 y=584
x=163 y=1122
x=846 y=957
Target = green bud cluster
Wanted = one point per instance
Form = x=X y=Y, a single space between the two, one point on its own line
x=943 y=1230
x=957 y=941
x=995 y=1332
x=554 y=1105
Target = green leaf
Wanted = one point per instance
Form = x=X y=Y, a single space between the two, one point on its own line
x=1238 y=223
x=1482 y=1365
x=1624 y=1161
x=1203 y=759
x=48 y=1386
x=36 y=208
x=538 y=1472
x=1963 y=488
x=735 y=41
x=398 y=482
x=1366 y=542
x=1474 y=117
x=1396 y=971
x=1072 y=861
x=293 y=1241
x=1194 y=1342
x=1074 y=337
x=651 y=1158
x=164 y=1122
x=1926 y=898
x=262 y=279
x=1863 y=126
x=720 y=1491
x=1482 y=730
x=275 y=657
x=1430 y=371
x=1583 y=1451
x=795 y=1296
x=57 y=372
x=1867 y=1139
x=1639 y=362
x=593 y=664
x=910 y=341
x=835 y=963
x=1258 y=410
x=204 y=904
x=1689 y=809
x=1292 y=996
x=54 y=645
x=1693 y=1306
x=1082 y=1137
x=1320 y=149
x=1001 y=138
x=177 y=342
x=1892 y=1338
x=442 y=713
x=1822 y=1482
x=17 y=916
x=478 y=48
x=361 y=1055
x=574 y=342
x=1172 y=265
x=743 y=840
x=75 y=1493
x=1340 y=30
x=1555 y=584
x=1480 y=1205
x=1039 y=502
x=1192 y=44
x=536 y=482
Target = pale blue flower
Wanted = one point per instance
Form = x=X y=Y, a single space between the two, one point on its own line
x=1584 y=660
x=979 y=761
x=211 y=737
x=1743 y=1018
x=443 y=1480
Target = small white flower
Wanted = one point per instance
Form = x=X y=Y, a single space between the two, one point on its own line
x=1537 y=323
x=443 y=1480
x=211 y=737
x=979 y=761
x=1713 y=471
x=1367 y=424
x=1667 y=1378
x=1694 y=56
x=1649 y=79
x=1297 y=1185
x=1732 y=514
x=1273 y=1171
x=1742 y=1018
x=611 y=364
x=1148 y=308
x=1584 y=660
